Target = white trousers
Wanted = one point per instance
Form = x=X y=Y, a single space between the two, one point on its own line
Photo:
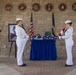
x=20 y=50
x=69 y=60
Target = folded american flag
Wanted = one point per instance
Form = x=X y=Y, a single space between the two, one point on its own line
x=61 y=32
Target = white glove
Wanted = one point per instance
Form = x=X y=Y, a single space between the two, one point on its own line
x=27 y=37
x=59 y=37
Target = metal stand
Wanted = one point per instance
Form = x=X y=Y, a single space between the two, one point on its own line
x=11 y=49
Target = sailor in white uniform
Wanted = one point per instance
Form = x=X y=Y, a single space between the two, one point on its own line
x=21 y=40
x=68 y=42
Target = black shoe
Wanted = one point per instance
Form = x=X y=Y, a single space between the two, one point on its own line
x=22 y=65
x=68 y=65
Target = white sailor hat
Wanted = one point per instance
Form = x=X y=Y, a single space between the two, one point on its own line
x=17 y=19
x=68 y=21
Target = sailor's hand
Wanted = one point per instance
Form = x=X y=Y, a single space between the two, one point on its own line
x=59 y=37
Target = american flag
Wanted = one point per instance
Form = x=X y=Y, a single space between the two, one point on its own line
x=61 y=32
x=31 y=27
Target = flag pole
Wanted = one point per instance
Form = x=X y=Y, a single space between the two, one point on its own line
x=53 y=25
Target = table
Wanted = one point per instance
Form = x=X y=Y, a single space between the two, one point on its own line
x=43 y=50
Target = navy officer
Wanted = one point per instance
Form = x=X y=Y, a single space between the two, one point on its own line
x=21 y=40
x=68 y=36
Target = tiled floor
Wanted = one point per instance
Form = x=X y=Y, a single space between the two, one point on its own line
x=5 y=70
x=40 y=67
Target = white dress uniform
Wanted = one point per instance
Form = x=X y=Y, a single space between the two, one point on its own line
x=69 y=43
x=21 y=40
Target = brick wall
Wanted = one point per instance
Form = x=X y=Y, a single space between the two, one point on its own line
x=42 y=21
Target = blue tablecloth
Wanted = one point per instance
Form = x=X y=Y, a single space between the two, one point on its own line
x=43 y=50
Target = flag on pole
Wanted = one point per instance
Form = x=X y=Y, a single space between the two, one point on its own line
x=31 y=27
x=53 y=26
